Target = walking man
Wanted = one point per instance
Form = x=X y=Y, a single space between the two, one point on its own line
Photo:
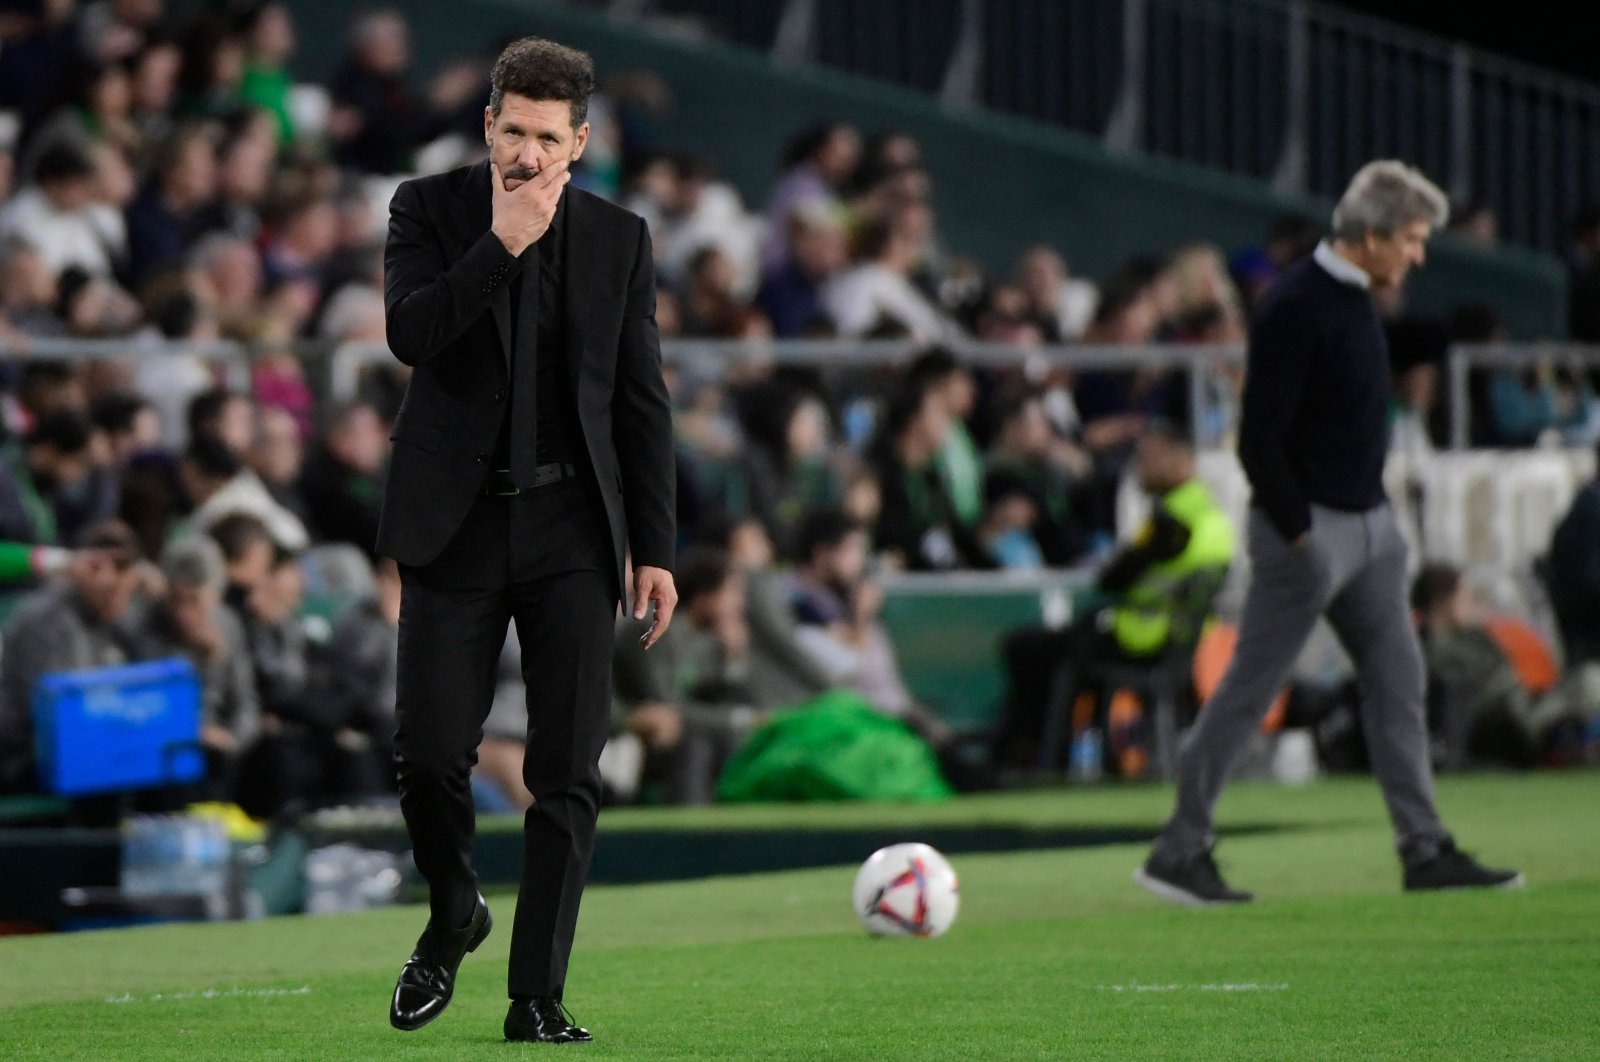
x=533 y=448
x=1323 y=539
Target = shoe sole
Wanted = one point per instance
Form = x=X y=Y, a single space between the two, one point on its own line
x=1172 y=893
x=472 y=945
x=1518 y=882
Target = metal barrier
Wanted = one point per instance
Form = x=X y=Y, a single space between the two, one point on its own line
x=1201 y=364
x=1292 y=91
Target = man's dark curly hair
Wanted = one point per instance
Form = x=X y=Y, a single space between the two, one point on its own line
x=543 y=70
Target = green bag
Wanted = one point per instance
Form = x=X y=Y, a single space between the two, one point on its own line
x=834 y=747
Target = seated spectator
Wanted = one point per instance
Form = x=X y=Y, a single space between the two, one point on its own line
x=703 y=212
x=788 y=460
x=81 y=623
x=1187 y=537
x=960 y=463
x=60 y=218
x=128 y=422
x=342 y=481
x=228 y=270
x=919 y=525
x=249 y=556
x=705 y=684
x=269 y=41
x=817 y=165
x=876 y=297
x=1490 y=715
x=277 y=456
x=305 y=235
x=791 y=295
x=225 y=416
x=175 y=209
x=837 y=604
x=1526 y=405
x=363 y=664
x=377 y=120
x=1029 y=459
x=1573 y=577
x=49 y=485
x=191 y=621
x=1059 y=302
x=218 y=485
x=711 y=307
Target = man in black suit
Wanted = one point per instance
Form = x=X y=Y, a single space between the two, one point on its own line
x=534 y=446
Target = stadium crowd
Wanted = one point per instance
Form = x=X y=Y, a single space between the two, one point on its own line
x=168 y=183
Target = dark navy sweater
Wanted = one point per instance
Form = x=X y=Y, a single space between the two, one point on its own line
x=1314 y=424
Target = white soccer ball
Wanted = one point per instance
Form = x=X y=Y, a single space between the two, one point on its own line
x=906 y=890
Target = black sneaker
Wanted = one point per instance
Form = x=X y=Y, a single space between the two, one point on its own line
x=1451 y=868
x=1193 y=882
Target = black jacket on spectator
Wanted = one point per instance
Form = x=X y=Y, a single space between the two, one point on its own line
x=919 y=521
x=1314 y=423
x=342 y=504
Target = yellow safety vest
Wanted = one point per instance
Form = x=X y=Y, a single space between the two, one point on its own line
x=1143 y=619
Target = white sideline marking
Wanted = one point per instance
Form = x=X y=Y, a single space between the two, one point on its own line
x=1225 y=986
x=211 y=993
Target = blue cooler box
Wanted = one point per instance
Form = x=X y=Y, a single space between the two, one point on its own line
x=111 y=729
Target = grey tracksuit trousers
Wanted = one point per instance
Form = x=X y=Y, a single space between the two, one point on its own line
x=1351 y=568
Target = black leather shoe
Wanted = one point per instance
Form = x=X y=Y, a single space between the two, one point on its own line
x=543 y=1020
x=428 y=978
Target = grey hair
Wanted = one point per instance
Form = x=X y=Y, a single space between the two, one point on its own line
x=1385 y=196
x=195 y=561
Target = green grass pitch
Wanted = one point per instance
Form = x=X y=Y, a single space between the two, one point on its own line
x=1055 y=955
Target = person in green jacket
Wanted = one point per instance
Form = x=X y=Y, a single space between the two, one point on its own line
x=1188 y=539
x=269 y=41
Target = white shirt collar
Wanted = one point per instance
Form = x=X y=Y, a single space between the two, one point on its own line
x=1341 y=268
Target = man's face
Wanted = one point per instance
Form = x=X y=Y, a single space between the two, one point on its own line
x=54 y=469
x=528 y=135
x=1390 y=257
x=253 y=566
x=190 y=608
x=104 y=581
x=843 y=565
x=236 y=425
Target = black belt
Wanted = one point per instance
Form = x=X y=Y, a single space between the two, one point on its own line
x=499 y=482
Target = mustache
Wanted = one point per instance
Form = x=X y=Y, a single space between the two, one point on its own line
x=520 y=173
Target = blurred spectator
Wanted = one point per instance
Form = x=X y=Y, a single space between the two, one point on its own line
x=886 y=152
x=37 y=60
x=27 y=290
x=1290 y=238
x=277 y=457
x=218 y=485
x=919 y=526
x=228 y=269
x=176 y=208
x=788 y=460
x=837 y=604
x=129 y=424
x=876 y=298
x=342 y=481
x=190 y=621
x=269 y=42
x=960 y=463
x=362 y=655
x=1490 y=715
x=705 y=684
x=155 y=90
x=59 y=218
x=1526 y=405
x=688 y=210
x=81 y=623
x=225 y=416
x=1573 y=576
x=817 y=163
x=711 y=307
x=245 y=164
x=791 y=294
x=48 y=486
x=213 y=67
x=1059 y=302
x=1583 y=283
x=1029 y=459
x=1476 y=224
x=377 y=121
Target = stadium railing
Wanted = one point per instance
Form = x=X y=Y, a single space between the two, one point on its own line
x=1297 y=92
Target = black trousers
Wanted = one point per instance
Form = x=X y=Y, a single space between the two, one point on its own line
x=541 y=558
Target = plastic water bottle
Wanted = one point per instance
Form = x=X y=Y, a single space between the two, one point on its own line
x=342 y=877
x=173 y=855
x=1084 y=759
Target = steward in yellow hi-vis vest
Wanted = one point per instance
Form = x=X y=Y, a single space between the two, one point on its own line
x=1186 y=534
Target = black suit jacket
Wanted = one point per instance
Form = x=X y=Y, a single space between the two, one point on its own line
x=447 y=282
